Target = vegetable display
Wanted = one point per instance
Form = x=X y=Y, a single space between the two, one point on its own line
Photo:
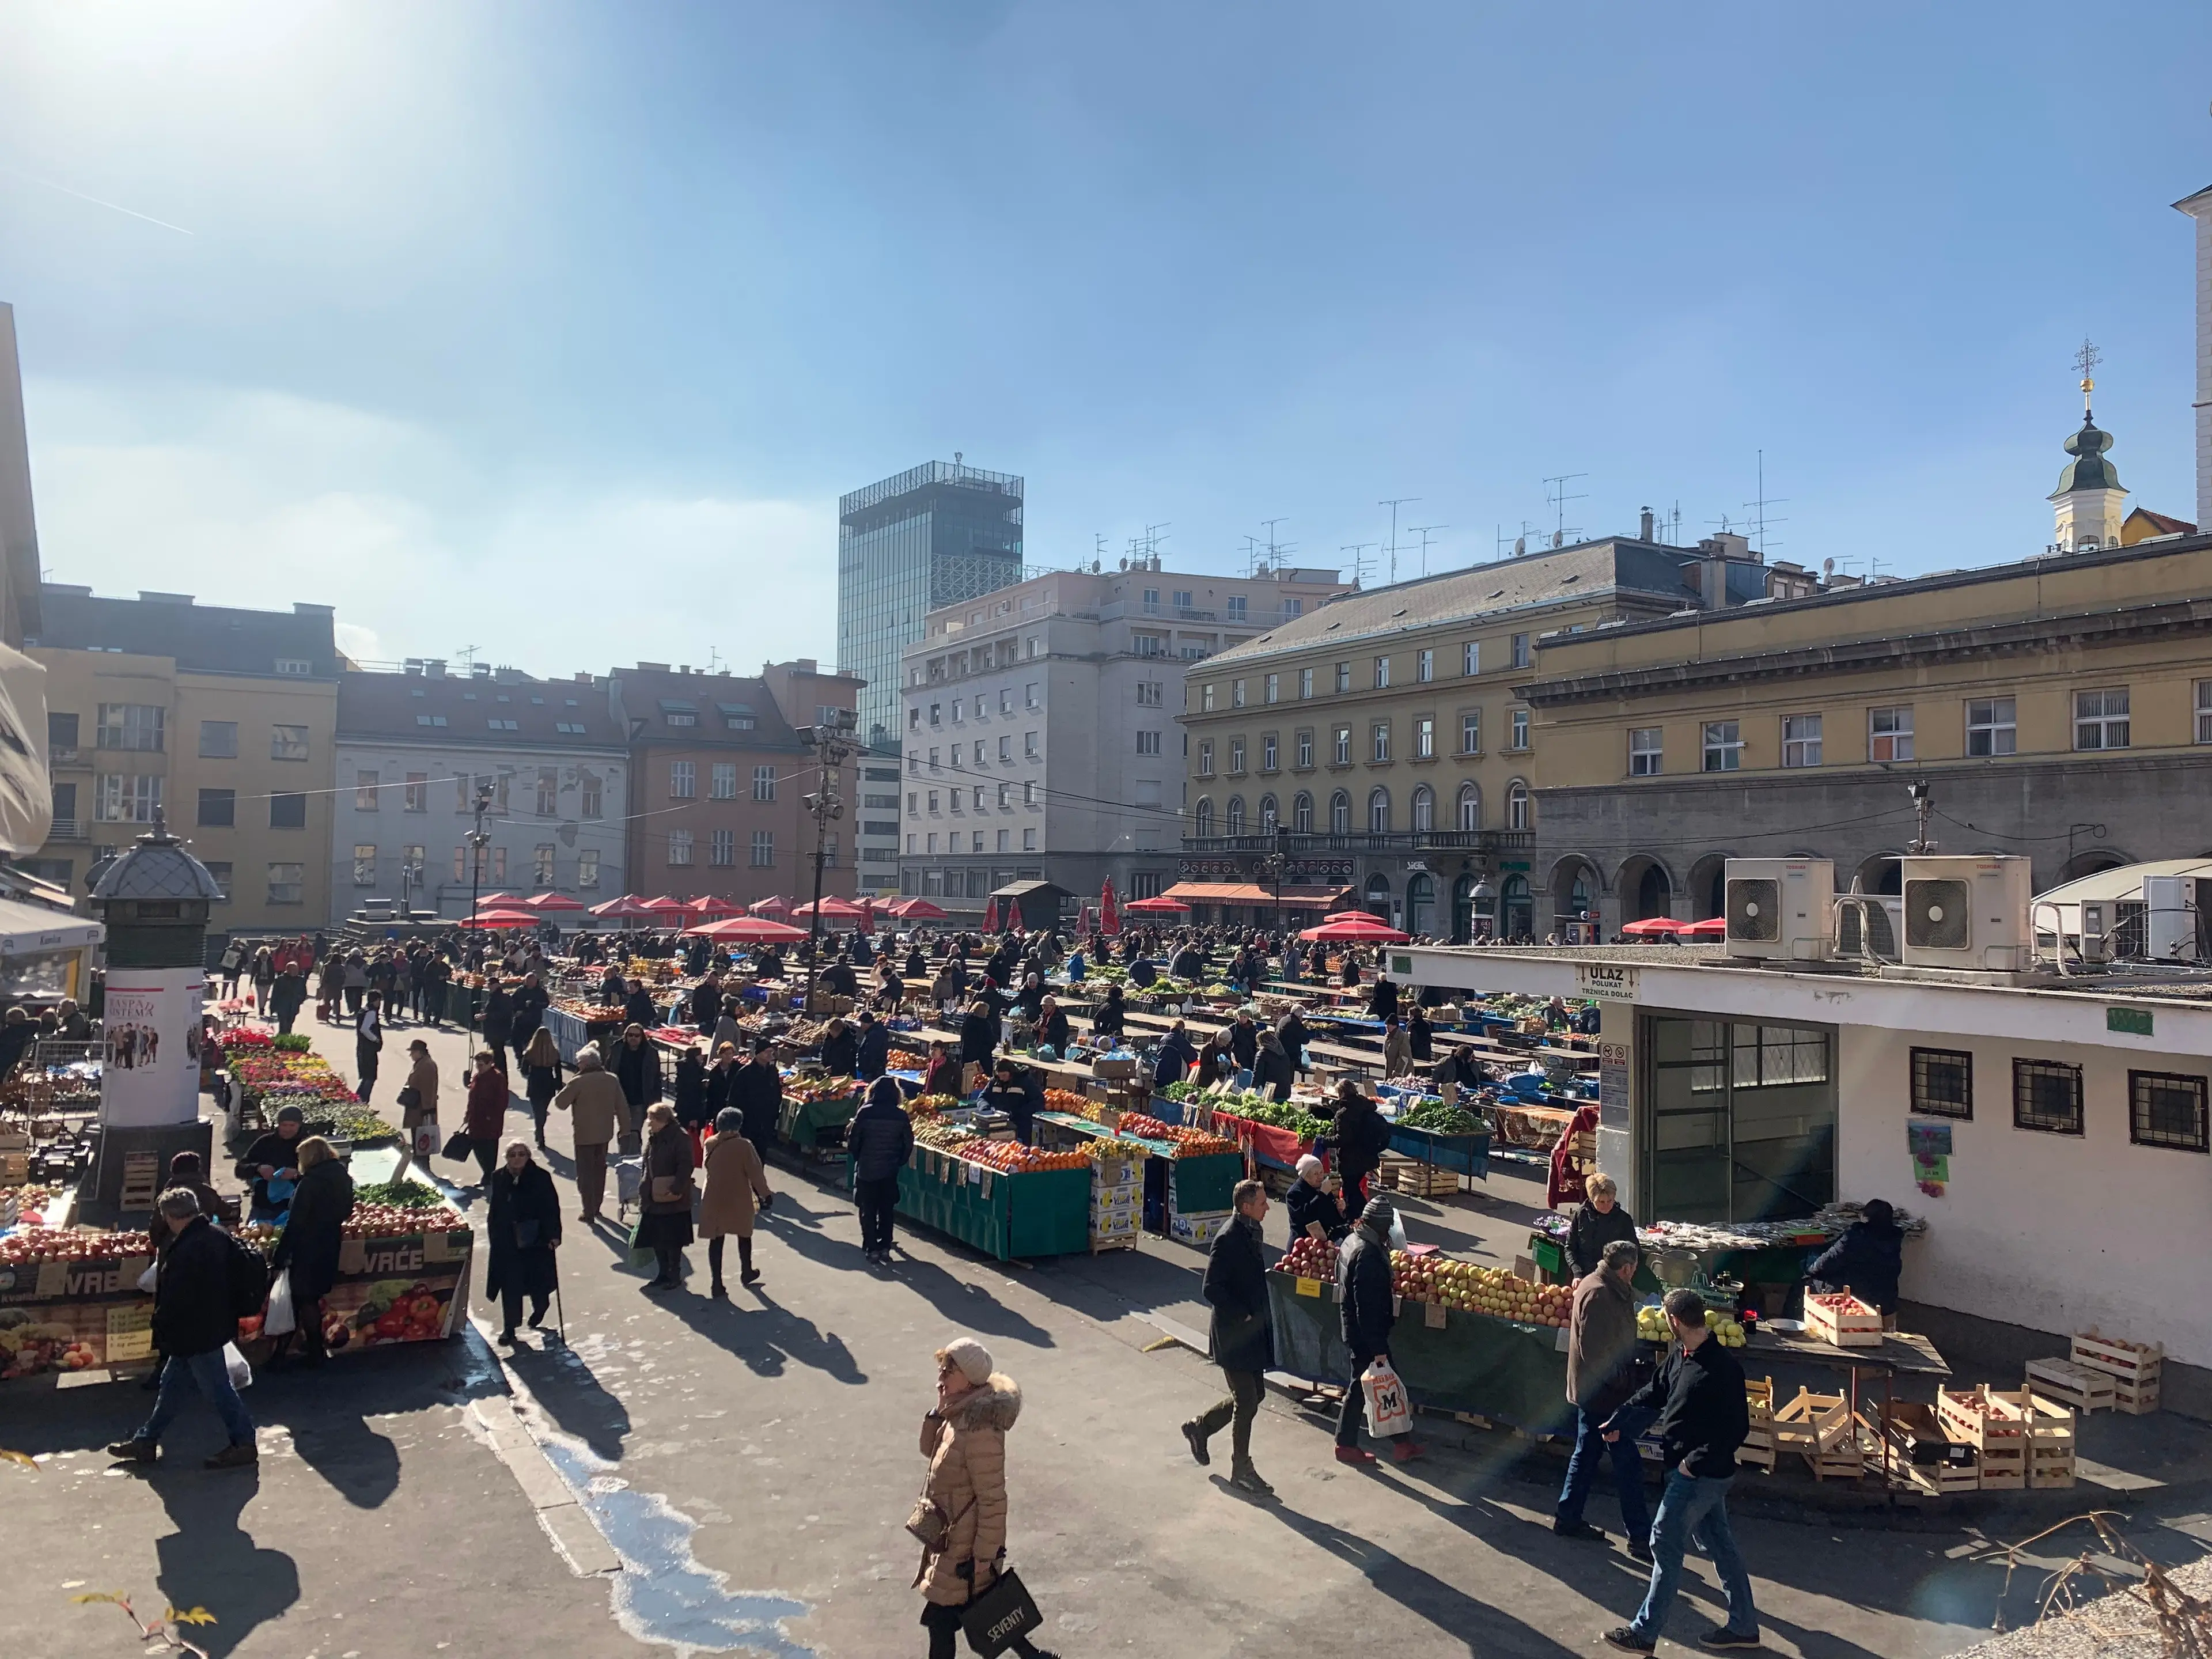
x=1440 y=1118
x=396 y=1195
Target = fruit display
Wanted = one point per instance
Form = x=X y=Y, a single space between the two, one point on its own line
x=1651 y=1326
x=1477 y=1289
x=393 y=1220
x=820 y=1088
x=1063 y=1100
x=1440 y=1118
x=1011 y=1158
x=928 y=1106
x=941 y=1137
x=1308 y=1258
x=1111 y=1149
x=70 y=1244
x=29 y=1345
x=1145 y=1128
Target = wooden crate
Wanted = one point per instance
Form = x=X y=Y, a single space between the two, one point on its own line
x=1843 y=1322
x=1758 y=1448
x=1813 y=1423
x=1847 y=1459
x=1410 y=1175
x=2135 y=1369
x=2051 y=1436
x=2076 y=1386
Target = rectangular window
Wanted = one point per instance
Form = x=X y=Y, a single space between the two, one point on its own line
x=61 y=732
x=416 y=796
x=1381 y=735
x=1030 y=794
x=594 y=796
x=1149 y=693
x=1182 y=599
x=1029 y=694
x=1342 y=754
x=288 y=811
x=1470 y=657
x=1801 y=740
x=934 y=808
x=1007 y=701
x=288 y=884
x=1235 y=755
x=1424 y=666
x=461 y=864
x=1271 y=687
x=1305 y=683
x=937 y=713
x=679 y=847
x=131 y=726
x=1305 y=749
x=218 y=739
x=1943 y=1084
x=1267 y=753
x=1470 y=733
x=1343 y=676
x=2046 y=1096
x=2100 y=719
x=287 y=743
x=587 y=867
x=913 y=719
x=294 y=666
x=1006 y=841
x=1237 y=694
x=680 y=717
x=541 y=870
x=1236 y=607
x=683 y=780
x=1723 y=746
x=218 y=808
x=763 y=783
x=1206 y=758
x=1646 y=751
x=1029 y=840
x=722 y=847
x=1424 y=738
x=1005 y=796
x=410 y=865
x=1520 y=650
x=1148 y=742
x=1992 y=727
x=2168 y=1109
x=1006 y=749
x=1206 y=699
x=1029 y=745
x=221 y=872
x=548 y=791
x=1381 y=674
x=499 y=863
x=1152 y=602
x=1889 y=734
x=2204 y=711
x=725 y=784
x=365 y=791
x=1520 y=729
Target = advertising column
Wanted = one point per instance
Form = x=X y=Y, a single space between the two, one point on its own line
x=150 y=1073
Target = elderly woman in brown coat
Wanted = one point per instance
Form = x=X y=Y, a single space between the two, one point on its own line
x=663 y=1224
x=734 y=1180
x=965 y=1440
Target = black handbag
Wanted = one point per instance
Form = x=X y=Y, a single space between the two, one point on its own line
x=1001 y=1618
x=458 y=1146
x=409 y=1098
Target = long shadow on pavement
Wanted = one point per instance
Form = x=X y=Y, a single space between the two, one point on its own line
x=210 y=1561
x=560 y=1379
x=766 y=1335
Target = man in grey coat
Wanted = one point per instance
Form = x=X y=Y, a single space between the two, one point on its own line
x=1600 y=1375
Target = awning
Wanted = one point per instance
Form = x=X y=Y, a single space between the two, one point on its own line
x=1295 y=897
x=27 y=931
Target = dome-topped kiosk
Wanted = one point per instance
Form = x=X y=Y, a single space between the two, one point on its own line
x=154 y=899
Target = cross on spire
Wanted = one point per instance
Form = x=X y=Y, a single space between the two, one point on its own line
x=2086 y=360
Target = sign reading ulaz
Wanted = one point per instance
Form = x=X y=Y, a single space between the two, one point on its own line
x=1608 y=982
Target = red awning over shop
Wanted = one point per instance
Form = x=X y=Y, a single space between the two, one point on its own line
x=1247 y=893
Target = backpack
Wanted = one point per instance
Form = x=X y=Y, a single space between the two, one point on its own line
x=249 y=1279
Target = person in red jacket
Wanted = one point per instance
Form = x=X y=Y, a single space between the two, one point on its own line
x=485 y=1120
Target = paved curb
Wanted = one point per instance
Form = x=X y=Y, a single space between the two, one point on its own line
x=559 y=1510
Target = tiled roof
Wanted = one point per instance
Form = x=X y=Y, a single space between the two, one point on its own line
x=211 y=638
x=711 y=701
x=460 y=710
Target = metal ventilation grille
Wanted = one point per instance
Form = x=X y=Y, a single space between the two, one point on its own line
x=1754 y=909
x=1935 y=916
x=1881 y=938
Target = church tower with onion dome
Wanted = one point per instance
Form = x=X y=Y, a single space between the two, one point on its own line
x=2089 y=498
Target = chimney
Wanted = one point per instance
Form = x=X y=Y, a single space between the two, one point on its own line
x=1644 y=526
x=2199 y=208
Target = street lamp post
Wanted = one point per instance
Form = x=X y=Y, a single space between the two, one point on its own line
x=479 y=838
x=833 y=744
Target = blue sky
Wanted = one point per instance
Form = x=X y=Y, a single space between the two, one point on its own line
x=556 y=330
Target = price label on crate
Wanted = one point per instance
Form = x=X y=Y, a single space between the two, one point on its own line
x=1432 y=1315
x=1310 y=1287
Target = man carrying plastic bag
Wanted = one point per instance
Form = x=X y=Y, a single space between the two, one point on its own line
x=206 y=1278
x=1365 y=1289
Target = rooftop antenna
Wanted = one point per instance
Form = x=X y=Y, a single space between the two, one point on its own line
x=1674 y=525
x=1556 y=496
x=1393 y=504
x=2086 y=360
x=467 y=653
x=714 y=660
x=1758 y=508
x=1358 y=551
x=1275 y=548
x=1422 y=531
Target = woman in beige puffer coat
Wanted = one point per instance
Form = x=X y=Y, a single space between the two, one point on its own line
x=965 y=1440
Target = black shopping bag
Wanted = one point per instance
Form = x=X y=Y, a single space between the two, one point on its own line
x=458 y=1147
x=1000 y=1617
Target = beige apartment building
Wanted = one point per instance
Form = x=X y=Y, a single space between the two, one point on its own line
x=1377 y=744
x=223 y=719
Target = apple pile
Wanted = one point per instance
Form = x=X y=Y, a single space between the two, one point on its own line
x=1308 y=1258
x=1476 y=1289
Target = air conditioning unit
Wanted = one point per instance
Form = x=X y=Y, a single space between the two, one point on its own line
x=2169 y=919
x=1968 y=913
x=2097 y=924
x=1868 y=926
x=1777 y=908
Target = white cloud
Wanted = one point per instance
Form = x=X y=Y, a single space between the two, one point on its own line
x=259 y=498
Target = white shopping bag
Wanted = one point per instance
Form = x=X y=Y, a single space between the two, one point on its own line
x=147 y=1279
x=1388 y=1412
x=279 y=1319
x=241 y=1374
x=428 y=1143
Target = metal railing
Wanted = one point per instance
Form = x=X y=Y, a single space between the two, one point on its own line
x=1368 y=840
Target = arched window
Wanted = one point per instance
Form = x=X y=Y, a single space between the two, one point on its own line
x=1470 y=808
x=1377 y=896
x=1421 y=905
x=1520 y=811
x=1202 y=816
x=1517 y=907
x=1339 y=814
x=1378 y=811
x=1267 y=814
x=1235 y=824
x=1301 y=813
x=1424 y=810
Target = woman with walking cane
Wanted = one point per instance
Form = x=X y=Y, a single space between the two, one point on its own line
x=523 y=1228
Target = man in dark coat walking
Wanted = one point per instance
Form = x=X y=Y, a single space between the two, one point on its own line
x=1600 y=1375
x=1241 y=1337
x=880 y=1139
x=194 y=1318
x=756 y=1092
x=1363 y=1274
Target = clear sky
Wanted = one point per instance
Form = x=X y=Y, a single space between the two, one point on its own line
x=557 y=330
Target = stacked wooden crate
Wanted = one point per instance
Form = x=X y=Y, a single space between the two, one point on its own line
x=1401 y=1174
x=2134 y=1367
x=2076 y=1386
x=1969 y=1417
x=1758 y=1448
x=2051 y=1438
x=1842 y=1321
x=1820 y=1429
x=1910 y=1438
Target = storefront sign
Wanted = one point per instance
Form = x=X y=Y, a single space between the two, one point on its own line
x=1612 y=1063
x=1608 y=982
x=149 y=1070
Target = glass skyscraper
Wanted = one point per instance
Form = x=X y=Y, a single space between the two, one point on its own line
x=934 y=535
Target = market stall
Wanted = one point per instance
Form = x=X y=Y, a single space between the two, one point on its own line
x=1004 y=1200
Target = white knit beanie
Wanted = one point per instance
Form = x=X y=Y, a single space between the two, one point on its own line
x=973 y=1358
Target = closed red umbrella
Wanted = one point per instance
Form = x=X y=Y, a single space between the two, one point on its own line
x=1357 y=926
x=1110 y=912
x=991 y=915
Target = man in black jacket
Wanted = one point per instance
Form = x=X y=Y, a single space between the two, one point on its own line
x=1363 y=1273
x=193 y=1321
x=872 y=1055
x=1013 y=1090
x=531 y=1002
x=1236 y=1288
x=1702 y=1419
x=880 y=1141
x=757 y=1090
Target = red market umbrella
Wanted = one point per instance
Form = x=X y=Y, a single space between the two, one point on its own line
x=991 y=915
x=715 y=906
x=626 y=908
x=748 y=930
x=833 y=909
x=915 y=909
x=1357 y=926
x=867 y=915
x=1110 y=912
x=773 y=907
x=548 y=902
x=665 y=906
x=502 y=919
x=1153 y=907
x=1653 y=927
x=1711 y=928
x=500 y=901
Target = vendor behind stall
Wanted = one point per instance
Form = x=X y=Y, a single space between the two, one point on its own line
x=271 y=1164
x=1597 y=1222
x=1314 y=1209
x=1358 y=1136
x=1865 y=1260
x=1013 y=1090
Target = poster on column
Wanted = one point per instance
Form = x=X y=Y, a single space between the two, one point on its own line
x=149 y=1052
